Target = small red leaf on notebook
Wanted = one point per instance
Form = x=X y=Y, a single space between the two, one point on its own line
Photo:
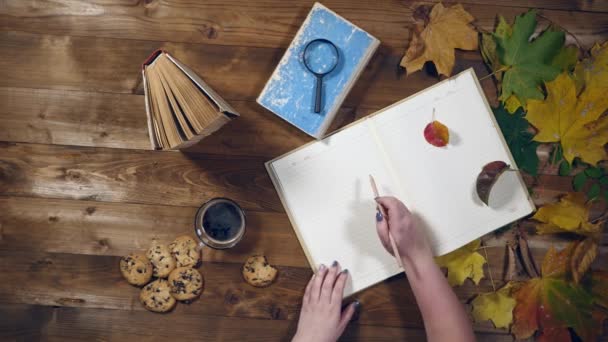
x=436 y=134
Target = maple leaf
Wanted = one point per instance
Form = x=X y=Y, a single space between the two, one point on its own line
x=570 y=214
x=448 y=28
x=463 y=263
x=495 y=306
x=573 y=121
x=515 y=130
x=527 y=63
x=592 y=72
x=551 y=305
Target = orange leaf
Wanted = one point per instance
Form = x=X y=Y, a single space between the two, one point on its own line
x=437 y=134
x=448 y=28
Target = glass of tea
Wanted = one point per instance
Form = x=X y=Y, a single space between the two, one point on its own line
x=220 y=223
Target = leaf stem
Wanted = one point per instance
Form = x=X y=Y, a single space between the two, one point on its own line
x=503 y=68
x=489 y=267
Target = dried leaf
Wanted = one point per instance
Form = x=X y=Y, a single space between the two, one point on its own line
x=463 y=263
x=570 y=214
x=582 y=257
x=437 y=134
x=526 y=257
x=495 y=306
x=576 y=121
x=510 y=263
x=597 y=281
x=488 y=177
x=448 y=28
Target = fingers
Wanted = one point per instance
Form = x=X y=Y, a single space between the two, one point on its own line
x=392 y=206
x=315 y=291
x=338 y=292
x=347 y=314
x=382 y=228
x=307 y=292
x=330 y=280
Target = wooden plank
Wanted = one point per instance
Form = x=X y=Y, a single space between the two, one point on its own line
x=23 y=322
x=118 y=120
x=168 y=178
x=263 y=23
x=237 y=73
x=100 y=324
x=114 y=175
x=82 y=324
x=98 y=228
x=95 y=282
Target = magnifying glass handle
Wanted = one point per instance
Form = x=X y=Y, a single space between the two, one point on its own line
x=318 y=96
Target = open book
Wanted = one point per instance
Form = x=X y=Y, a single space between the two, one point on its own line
x=325 y=189
x=181 y=108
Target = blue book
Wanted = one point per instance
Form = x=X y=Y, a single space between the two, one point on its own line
x=291 y=91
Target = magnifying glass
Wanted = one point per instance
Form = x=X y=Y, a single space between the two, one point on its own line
x=320 y=58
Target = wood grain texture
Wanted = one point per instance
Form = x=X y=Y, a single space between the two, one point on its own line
x=75 y=324
x=78 y=187
x=238 y=23
x=236 y=72
x=152 y=177
x=103 y=228
x=88 y=281
x=118 y=120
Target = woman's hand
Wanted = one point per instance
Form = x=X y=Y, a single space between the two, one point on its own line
x=410 y=240
x=322 y=318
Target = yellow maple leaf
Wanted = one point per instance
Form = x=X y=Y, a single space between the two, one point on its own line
x=570 y=214
x=447 y=29
x=495 y=306
x=463 y=263
x=593 y=71
x=573 y=121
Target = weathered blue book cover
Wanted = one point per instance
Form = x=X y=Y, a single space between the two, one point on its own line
x=290 y=91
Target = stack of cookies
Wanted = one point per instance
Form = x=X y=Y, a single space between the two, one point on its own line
x=173 y=269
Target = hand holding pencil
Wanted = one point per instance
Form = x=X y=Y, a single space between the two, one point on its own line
x=398 y=231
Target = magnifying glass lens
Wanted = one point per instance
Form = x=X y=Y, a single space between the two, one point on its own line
x=320 y=57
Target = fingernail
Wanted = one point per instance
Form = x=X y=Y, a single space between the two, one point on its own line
x=322 y=268
x=345 y=271
x=357 y=305
x=378 y=216
x=334 y=264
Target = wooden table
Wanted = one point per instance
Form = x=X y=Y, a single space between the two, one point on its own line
x=79 y=186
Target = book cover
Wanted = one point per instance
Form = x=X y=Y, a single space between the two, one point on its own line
x=290 y=91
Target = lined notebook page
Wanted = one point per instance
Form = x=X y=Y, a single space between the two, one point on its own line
x=438 y=184
x=325 y=186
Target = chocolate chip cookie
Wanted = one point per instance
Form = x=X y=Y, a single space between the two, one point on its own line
x=161 y=259
x=156 y=296
x=185 y=251
x=258 y=272
x=186 y=283
x=136 y=269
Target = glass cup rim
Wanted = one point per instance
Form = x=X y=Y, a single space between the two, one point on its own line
x=205 y=238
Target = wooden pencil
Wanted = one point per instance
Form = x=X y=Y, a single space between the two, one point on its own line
x=381 y=209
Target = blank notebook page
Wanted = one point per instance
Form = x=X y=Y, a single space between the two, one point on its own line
x=326 y=188
x=438 y=184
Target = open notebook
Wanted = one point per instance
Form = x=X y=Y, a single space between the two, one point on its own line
x=325 y=189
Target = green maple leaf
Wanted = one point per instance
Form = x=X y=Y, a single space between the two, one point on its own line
x=515 y=130
x=528 y=63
